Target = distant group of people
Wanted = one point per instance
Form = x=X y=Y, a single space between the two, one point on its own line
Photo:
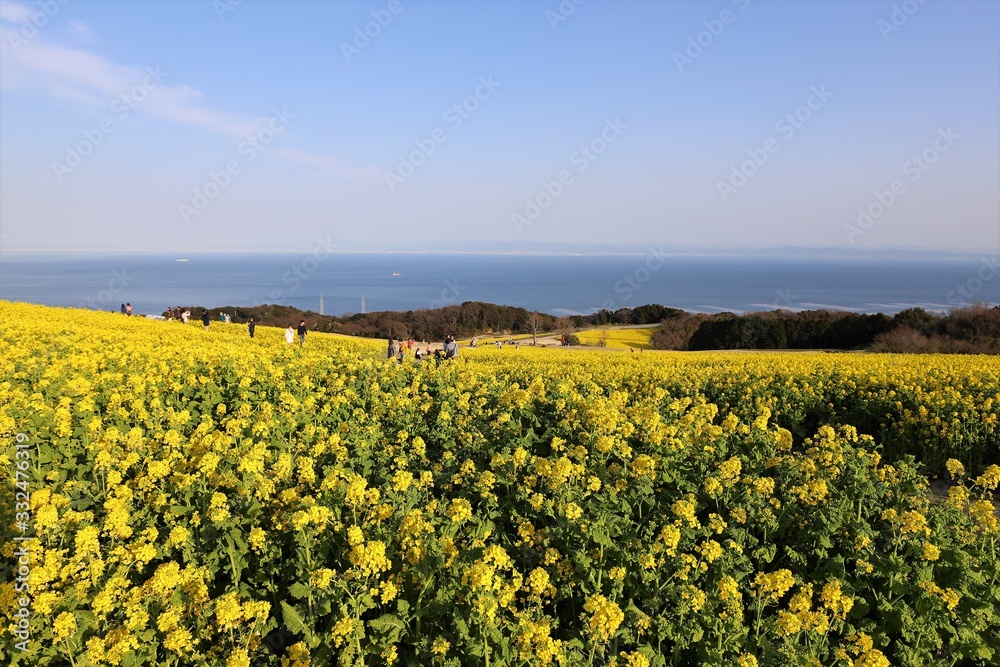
x=397 y=350
x=127 y=309
x=182 y=316
x=501 y=343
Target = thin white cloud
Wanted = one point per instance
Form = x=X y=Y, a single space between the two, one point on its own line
x=11 y=12
x=34 y=64
x=80 y=76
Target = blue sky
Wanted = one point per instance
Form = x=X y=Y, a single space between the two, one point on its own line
x=255 y=125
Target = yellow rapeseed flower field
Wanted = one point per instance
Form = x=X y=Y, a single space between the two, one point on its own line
x=618 y=338
x=177 y=496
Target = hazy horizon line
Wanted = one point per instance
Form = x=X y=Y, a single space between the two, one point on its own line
x=580 y=250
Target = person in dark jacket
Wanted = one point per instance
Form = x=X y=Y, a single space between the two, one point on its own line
x=252 y=326
x=393 y=350
x=205 y=319
x=302 y=332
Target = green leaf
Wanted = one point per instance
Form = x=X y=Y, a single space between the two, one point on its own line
x=81 y=504
x=389 y=625
x=892 y=620
x=322 y=655
x=601 y=536
x=235 y=558
x=766 y=553
x=835 y=567
x=294 y=622
x=237 y=536
x=299 y=591
x=85 y=619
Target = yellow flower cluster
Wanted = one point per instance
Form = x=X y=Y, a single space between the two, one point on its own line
x=460 y=510
x=635 y=659
x=948 y=596
x=605 y=617
x=63 y=627
x=535 y=643
x=835 y=601
x=990 y=478
x=342 y=630
x=773 y=585
x=684 y=510
x=914 y=522
x=369 y=559
x=867 y=654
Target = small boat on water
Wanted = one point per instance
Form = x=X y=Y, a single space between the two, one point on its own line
x=397 y=274
x=180 y=260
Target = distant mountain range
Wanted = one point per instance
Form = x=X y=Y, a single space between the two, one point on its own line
x=554 y=248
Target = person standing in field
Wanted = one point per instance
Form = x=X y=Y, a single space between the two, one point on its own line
x=206 y=319
x=123 y=309
x=128 y=309
x=450 y=348
x=251 y=327
x=393 y=350
x=302 y=332
x=290 y=335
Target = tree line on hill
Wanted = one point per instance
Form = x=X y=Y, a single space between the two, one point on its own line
x=968 y=330
x=973 y=330
x=471 y=318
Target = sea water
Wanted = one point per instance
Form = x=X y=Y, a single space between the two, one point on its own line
x=556 y=284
